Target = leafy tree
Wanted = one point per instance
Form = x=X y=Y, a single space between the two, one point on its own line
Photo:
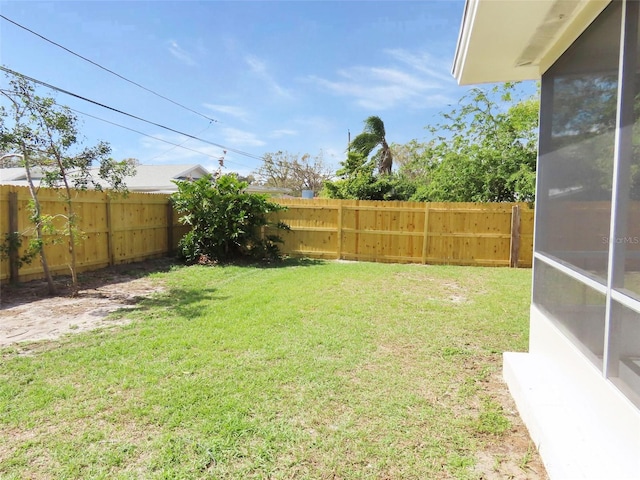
x=226 y=221
x=373 y=135
x=482 y=152
x=285 y=170
x=357 y=180
x=9 y=160
x=44 y=136
x=132 y=161
x=416 y=162
x=249 y=179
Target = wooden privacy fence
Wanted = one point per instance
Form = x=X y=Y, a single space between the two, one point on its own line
x=141 y=226
x=115 y=229
x=491 y=234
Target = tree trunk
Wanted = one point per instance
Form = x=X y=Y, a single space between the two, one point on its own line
x=386 y=160
x=71 y=231
x=38 y=222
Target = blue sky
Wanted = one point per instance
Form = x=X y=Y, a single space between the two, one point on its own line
x=275 y=75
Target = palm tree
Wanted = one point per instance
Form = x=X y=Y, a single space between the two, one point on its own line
x=372 y=136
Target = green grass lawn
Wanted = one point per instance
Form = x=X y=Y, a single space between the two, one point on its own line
x=309 y=370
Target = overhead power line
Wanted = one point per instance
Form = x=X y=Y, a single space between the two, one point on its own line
x=176 y=145
x=66 y=92
x=180 y=145
x=106 y=69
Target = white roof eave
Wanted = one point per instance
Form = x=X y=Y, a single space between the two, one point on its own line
x=512 y=40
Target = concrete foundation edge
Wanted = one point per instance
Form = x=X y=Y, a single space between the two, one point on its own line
x=583 y=427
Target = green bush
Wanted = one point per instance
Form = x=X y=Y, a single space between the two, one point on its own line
x=358 y=181
x=226 y=221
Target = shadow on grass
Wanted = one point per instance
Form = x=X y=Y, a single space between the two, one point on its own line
x=187 y=303
x=190 y=303
x=287 y=262
x=88 y=281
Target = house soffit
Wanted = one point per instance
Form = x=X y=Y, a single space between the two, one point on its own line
x=511 y=40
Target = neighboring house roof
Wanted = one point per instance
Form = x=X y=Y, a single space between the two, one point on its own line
x=148 y=178
x=17 y=174
x=160 y=178
x=515 y=40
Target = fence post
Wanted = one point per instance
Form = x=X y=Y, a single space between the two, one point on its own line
x=356 y=212
x=14 y=272
x=515 y=236
x=169 y=228
x=339 y=246
x=425 y=241
x=110 y=252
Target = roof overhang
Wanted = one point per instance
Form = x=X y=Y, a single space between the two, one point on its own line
x=512 y=40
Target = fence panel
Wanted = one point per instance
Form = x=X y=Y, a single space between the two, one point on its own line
x=115 y=229
x=408 y=232
x=120 y=229
x=314 y=227
x=139 y=226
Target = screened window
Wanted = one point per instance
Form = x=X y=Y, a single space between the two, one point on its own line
x=587 y=258
x=629 y=237
x=578 y=310
x=624 y=353
x=579 y=95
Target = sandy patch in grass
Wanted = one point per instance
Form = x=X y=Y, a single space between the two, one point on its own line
x=27 y=314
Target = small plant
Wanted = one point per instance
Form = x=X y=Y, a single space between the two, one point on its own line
x=227 y=223
x=526 y=458
x=13 y=243
x=492 y=419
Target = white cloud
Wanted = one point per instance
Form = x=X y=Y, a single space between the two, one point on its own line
x=240 y=138
x=237 y=112
x=316 y=123
x=256 y=65
x=423 y=62
x=178 y=52
x=333 y=155
x=259 y=68
x=409 y=81
x=180 y=149
x=417 y=81
x=283 y=132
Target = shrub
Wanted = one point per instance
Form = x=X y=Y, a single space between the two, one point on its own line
x=227 y=223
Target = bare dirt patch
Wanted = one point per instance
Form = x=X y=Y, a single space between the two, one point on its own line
x=28 y=314
x=511 y=455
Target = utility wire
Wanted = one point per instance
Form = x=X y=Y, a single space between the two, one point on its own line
x=58 y=89
x=141 y=133
x=106 y=69
x=181 y=145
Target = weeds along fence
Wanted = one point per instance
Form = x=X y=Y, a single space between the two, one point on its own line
x=142 y=226
x=489 y=234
